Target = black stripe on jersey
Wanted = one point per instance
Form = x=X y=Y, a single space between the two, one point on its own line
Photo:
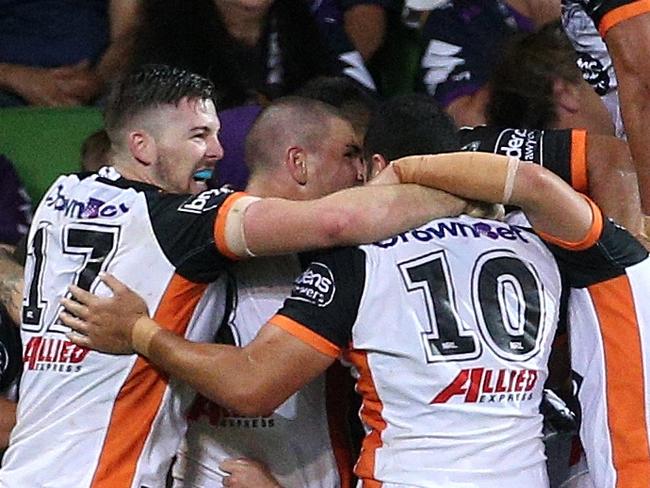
x=10 y=351
x=615 y=251
x=550 y=148
x=326 y=297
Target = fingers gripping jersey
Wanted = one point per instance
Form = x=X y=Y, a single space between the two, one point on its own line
x=564 y=152
x=87 y=419
x=449 y=327
x=294 y=442
x=609 y=327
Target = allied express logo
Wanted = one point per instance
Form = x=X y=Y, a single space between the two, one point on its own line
x=45 y=354
x=484 y=385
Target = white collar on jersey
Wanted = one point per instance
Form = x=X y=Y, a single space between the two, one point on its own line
x=109 y=173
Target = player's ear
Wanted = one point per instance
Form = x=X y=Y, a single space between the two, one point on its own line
x=377 y=164
x=142 y=147
x=296 y=162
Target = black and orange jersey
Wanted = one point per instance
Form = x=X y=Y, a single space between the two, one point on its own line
x=563 y=151
x=609 y=330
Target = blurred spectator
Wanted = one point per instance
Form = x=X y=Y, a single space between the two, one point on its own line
x=251 y=50
x=462 y=40
x=365 y=24
x=15 y=204
x=355 y=103
x=95 y=151
x=537 y=85
x=593 y=58
x=61 y=52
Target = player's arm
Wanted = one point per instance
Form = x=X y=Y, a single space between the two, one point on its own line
x=612 y=181
x=11 y=284
x=353 y=216
x=625 y=27
x=550 y=204
x=252 y=381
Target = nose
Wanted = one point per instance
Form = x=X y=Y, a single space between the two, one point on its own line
x=215 y=149
x=361 y=170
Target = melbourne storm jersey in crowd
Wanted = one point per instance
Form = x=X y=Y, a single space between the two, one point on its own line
x=296 y=441
x=609 y=327
x=563 y=152
x=87 y=419
x=449 y=327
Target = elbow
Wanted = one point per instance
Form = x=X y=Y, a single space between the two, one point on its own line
x=248 y=402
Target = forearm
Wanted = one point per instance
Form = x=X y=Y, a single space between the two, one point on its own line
x=350 y=217
x=223 y=374
x=8 y=76
x=11 y=284
x=633 y=74
x=551 y=205
x=366 y=27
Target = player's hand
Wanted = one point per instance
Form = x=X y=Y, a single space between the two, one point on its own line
x=103 y=323
x=246 y=473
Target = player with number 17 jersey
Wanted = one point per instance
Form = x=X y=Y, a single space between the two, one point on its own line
x=449 y=328
x=88 y=419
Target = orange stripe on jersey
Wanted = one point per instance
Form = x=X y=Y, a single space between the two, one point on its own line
x=371 y=417
x=589 y=240
x=338 y=388
x=622 y=14
x=626 y=407
x=220 y=226
x=579 y=180
x=306 y=335
x=139 y=399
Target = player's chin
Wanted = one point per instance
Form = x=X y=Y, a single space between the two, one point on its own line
x=198 y=186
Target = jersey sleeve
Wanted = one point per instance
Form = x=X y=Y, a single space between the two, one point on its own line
x=563 y=151
x=191 y=231
x=605 y=253
x=325 y=300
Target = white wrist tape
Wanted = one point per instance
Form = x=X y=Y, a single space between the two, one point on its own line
x=234 y=228
x=511 y=172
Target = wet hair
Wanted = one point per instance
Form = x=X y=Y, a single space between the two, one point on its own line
x=354 y=101
x=522 y=81
x=148 y=87
x=409 y=124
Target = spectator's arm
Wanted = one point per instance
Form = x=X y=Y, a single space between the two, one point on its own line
x=124 y=16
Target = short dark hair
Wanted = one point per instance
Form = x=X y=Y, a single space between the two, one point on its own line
x=407 y=125
x=150 y=86
x=355 y=102
x=522 y=81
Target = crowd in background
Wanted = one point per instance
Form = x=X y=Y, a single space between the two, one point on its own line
x=521 y=65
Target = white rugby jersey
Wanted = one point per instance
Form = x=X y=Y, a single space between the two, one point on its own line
x=87 y=419
x=295 y=441
x=609 y=328
x=449 y=327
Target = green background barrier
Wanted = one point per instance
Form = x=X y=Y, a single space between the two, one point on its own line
x=44 y=143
